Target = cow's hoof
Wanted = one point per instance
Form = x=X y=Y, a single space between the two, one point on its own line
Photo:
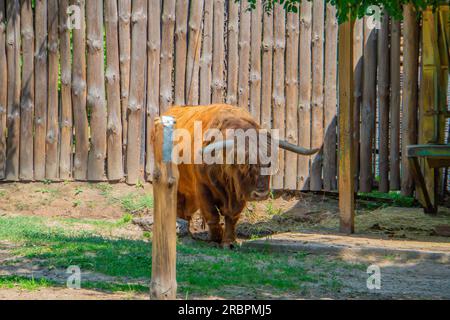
x=228 y=245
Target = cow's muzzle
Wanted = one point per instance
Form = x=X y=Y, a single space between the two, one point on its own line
x=260 y=195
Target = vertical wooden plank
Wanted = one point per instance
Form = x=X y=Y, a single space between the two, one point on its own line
x=410 y=92
x=218 y=67
x=346 y=142
x=164 y=245
x=383 y=102
x=14 y=86
x=395 y=106
x=41 y=89
x=304 y=111
x=368 y=109
x=96 y=100
x=255 y=62
x=168 y=26
x=194 y=50
x=125 y=60
x=233 y=52
x=27 y=98
x=3 y=88
x=317 y=94
x=330 y=103
x=358 y=66
x=65 y=155
x=137 y=86
x=267 y=72
x=429 y=98
x=52 y=161
x=244 y=55
x=292 y=47
x=181 y=12
x=206 y=59
x=81 y=125
x=153 y=56
x=114 y=129
x=279 y=101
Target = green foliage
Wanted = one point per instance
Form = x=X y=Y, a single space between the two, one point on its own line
x=358 y=8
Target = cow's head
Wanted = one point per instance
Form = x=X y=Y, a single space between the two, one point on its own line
x=247 y=174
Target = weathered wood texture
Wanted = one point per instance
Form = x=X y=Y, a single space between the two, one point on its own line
x=346 y=141
x=137 y=87
x=206 y=57
x=27 y=95
x=167 y=48
x=358 y=66
x=394 y=104
x=14 y=89
x=292 y=38
x=233 y=52
x=317 y=99
x=383 y=102
x=330 y=103
x=255 y=61
x=218 y=68
x=304 y=108
x=3 y=88
x=153 y=60
x=181 y=13
x=52 y=155
x=244 y=55
x=164 y=245
x=279 y=99
x=194 y=51
x=114 y=127
x=410 y=92
x=124 y=7
x=66 y=121
x=368 y=108
x=96 y=96
x=70 y=114
x=267 y=72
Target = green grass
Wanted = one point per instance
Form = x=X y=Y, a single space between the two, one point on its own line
x=394 y=197
x=134 y=203
x=23 y=283
x=202 y=269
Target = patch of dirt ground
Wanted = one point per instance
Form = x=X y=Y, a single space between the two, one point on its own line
x=65 y=294
x=68 y=200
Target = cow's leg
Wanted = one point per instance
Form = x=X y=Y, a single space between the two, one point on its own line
x=214 y=228
x=210 y=213
x=229 y=238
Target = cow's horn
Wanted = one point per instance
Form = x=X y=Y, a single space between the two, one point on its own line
x=219 y=145
x=296 y=149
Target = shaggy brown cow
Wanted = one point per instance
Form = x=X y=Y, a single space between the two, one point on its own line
x=220 y=189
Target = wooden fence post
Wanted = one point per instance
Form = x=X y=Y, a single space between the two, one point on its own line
x=395 y=106
x=304 y=97
x=410 y=92
x=346 y=143
x=137 y=88
x=3 y=88
x=317 y=133
x=66 y=142
x=27 y=96
x=114 y=128
x=383 y=102
x=165 y=185
x=368 y=109
x=14 y=86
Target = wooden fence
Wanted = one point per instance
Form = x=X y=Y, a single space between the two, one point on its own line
x=79 y=104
